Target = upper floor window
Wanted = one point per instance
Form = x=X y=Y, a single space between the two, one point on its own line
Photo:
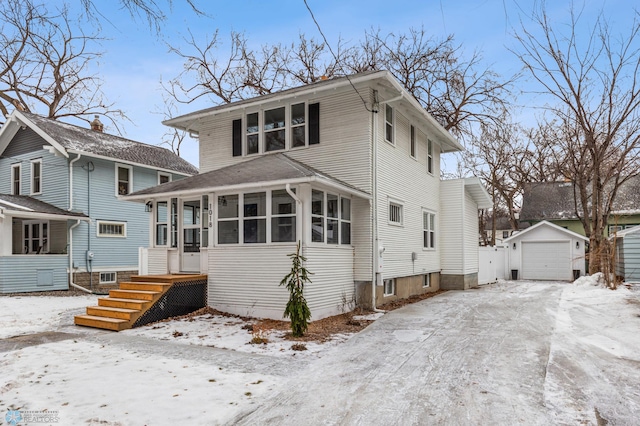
x=277 y=129
x=428 y=230
x=124 y=178
x=388 y=123
x=429 y=156
x=412 y=147
x=111 y=229
x=163 y=178
x=16 y=174
x=36 y=176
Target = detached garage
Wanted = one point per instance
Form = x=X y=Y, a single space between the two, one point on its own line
x=546 y=252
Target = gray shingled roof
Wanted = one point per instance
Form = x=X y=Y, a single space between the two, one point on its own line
x=266 y=168
x=80 y=139
x=31 y=204
x=554 y=200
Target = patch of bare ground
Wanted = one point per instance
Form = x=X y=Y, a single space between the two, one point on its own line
x=318 y=331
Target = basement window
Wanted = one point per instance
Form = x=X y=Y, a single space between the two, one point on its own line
x=111 y=229
x=108 y=278
x=389 y=287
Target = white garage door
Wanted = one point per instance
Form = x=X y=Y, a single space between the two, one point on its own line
x=546 y=260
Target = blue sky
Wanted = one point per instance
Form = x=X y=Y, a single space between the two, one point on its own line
x=136 y=58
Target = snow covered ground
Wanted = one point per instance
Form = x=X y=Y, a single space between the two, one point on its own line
x=512 y=352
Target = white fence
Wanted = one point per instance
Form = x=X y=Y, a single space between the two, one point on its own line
x=492 y=264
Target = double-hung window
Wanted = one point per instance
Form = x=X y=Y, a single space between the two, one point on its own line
x=16 y=174
x=429 y=156
x=345 y=221
x=162 y=225
x=124 y=179
x=428 y=230
x=330 y=218
x=228 y=219
x=36 y=236
x=252 y=134
x=255 y=217
x=388 y=124
x=317 y=216
x=412 y=147
x=298 y=127
x=283 y=217
x=274 y=129
x=36 y=176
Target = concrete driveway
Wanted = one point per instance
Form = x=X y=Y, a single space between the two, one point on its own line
x=508 y=353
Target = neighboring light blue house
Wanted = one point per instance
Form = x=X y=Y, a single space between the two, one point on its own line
x=627 y=260
x=61 y=222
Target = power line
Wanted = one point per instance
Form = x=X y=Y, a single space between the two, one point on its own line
x=334 y=55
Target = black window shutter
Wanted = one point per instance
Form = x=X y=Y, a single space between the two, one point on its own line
x=237 y=138
x=314 y=124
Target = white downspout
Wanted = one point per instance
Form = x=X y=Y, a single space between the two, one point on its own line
x=71 y=283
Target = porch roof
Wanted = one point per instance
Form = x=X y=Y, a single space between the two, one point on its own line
x=29 y=207
x=266 y=170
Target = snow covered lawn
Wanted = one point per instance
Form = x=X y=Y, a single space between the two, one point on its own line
x=534 y=353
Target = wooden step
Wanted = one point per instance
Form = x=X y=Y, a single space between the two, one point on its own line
x=118 y=313
x=133 y=294
x=113 y=302
x=144 y=286
x=101 y=322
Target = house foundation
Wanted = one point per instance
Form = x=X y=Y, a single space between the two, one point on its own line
x=405 y=287
x=91 y=281
x=459 y=281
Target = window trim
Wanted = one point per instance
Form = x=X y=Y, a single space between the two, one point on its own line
x=325 y=218
x=427 y=231
x=412 y=142
x=44 y=241
x=111 y=222
x=33 y=177
x=395 y=203
x=117 y=178
x=164 y=174
x=391 y=124
x=429 y=157
x=393 y=287
x=103 y=281
x=13 y=180
x=246 y=134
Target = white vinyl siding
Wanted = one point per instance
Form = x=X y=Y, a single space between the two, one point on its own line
x=404 y=180
x=451 y=222
x=471 y=233
x=344 y=151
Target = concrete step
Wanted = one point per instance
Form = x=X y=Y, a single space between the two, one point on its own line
x=113 y=302
x=133 y=294
x=144 y=286
x=109 y=312
x=101 y=322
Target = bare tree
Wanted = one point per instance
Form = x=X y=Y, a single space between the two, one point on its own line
x=595 y=83
x=457 y=92
x=44 y=64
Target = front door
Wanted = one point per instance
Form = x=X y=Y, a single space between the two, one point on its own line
x=191 y=220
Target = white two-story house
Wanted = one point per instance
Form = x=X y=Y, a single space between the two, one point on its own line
x=348 y=167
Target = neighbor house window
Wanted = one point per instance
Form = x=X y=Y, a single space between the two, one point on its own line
x=35 y=236
x=124 y=179
x=163 y=178
x=111 y=229
x=389 y=287
x=428 y=230
x=283 y=217
x=505 y=234
x=412 y=147
x=253 y=132
x=395 y=213
x=274 y=129
x=36 y=176
x=615 y=228
x=429 y=156
x=426 y=280
x=16 y=174
x=162 y=225
x=108 y=277
x=388 y=124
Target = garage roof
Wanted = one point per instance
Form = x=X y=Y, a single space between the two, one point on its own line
x=548 y=224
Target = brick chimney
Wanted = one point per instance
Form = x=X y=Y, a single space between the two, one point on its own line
x=97 y=125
